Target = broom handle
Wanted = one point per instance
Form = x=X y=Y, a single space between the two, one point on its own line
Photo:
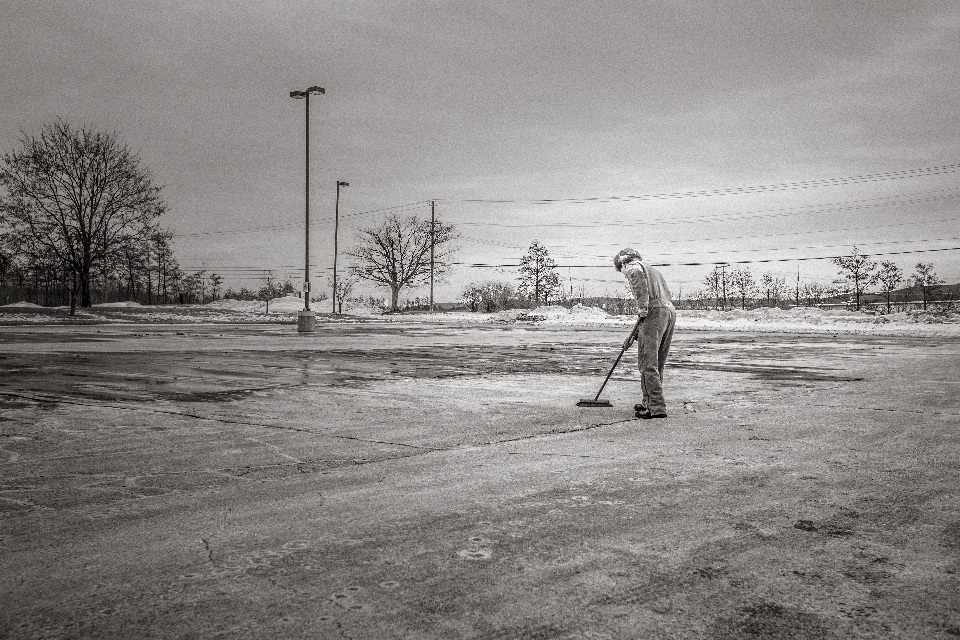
x=617 y=361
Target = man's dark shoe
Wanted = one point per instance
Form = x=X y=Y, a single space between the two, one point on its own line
x=639 y=407
x=646 y=415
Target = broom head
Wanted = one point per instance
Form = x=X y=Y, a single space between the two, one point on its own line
x=594 y=403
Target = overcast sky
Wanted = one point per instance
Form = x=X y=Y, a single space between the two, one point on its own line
x=520 y=102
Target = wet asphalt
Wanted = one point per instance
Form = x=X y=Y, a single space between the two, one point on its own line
x=432 y=481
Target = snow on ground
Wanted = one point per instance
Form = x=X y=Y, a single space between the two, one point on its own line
x=284 y=310
x=23 y=303
x=796 y=320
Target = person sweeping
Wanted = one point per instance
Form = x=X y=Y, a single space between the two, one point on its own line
x=653 y=332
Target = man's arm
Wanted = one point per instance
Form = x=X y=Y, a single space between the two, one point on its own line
x=637 y=276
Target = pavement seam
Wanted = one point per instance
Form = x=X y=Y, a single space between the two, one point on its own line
x=42 y=398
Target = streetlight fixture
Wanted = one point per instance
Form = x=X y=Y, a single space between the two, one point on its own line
x=306 y=319
x=336 y=227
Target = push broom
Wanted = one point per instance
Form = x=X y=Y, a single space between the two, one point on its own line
x=596 y=401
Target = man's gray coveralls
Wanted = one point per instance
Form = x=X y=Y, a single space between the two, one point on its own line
x=656 y=331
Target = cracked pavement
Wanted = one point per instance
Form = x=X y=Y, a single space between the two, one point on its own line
x=415 y=481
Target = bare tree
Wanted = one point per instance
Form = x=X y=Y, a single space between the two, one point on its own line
x=472 y=296
x=342 y=291
x=490 y=295
x=216 y=282
x=714 y=286
x=269 y=287
x=397 y=253
x=928 y=282
x=773 y=288
x=495 y=295
x=813 y=293
x=743 y=285
x=81 y=194
x=858 y=272
x=889 y=277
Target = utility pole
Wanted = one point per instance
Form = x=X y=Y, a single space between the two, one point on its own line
x=336 y=230
x=723 y=271
x=798 y=286
x=432 y=239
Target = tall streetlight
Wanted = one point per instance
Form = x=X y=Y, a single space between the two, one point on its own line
x=336 y=227
x=306 y=319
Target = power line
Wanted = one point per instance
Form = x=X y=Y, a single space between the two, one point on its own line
x=293 y=225
x=779 y=235
x=717 y=262
x=780 y=186
x=884 y=201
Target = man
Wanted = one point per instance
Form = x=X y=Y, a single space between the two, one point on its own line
x=655 y=331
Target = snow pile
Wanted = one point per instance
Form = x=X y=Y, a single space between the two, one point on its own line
x=23 y=318
x=108 y=305
x=584 y=313
x=796 y=320
x=358 y=308
x=579 y=314
x=231 y=304
x=23 y=303
x=813 y=320
x=286 y=304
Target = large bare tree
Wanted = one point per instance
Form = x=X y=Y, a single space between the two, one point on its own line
x=81 y=195
x=397 y=254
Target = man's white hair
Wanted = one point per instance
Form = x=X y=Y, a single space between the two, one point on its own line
x=626 y=255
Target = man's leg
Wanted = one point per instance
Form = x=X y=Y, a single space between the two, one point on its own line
x=651 y=335
x=643 y=387
x=665 y=342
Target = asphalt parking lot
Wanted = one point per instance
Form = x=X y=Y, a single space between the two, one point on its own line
x=398 y=480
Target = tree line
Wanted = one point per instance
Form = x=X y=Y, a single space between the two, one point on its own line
x=859 y=276
x=79 y=223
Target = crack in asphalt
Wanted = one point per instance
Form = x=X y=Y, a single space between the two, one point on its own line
x=206 y=543
x=103 y=405
x=556 y=432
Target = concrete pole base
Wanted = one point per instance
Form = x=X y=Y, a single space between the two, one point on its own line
x=306 y=321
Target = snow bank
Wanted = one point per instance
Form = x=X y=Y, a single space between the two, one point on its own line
x=796 y=320
x=231 y=304
x=286 y=304
x=109 y=305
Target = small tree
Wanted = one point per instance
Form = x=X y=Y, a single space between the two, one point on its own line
x=495 y=296
x=471 y=296
x=743 y=285
x=813 y=293
x=216 y=282
x=397 y=254
x=927 y=281
x=343 y=289
x=889 y=277
x=269 y=287
x=858 y=272
x=539 y=280
x=714 y=286
x=773 y=288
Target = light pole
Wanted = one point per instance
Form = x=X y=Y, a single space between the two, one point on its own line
x=306 y=319
x=336 y=227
